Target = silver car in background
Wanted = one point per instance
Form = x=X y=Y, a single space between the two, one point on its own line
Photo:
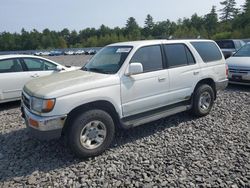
x=239 y=66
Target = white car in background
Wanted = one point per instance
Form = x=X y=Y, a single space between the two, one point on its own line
x=69 y=52
x=239 y=66
x=79 y=52
x=16 y=70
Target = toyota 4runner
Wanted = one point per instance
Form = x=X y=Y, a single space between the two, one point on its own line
x=124 y=85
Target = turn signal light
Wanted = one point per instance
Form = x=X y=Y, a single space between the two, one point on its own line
x=33 y=122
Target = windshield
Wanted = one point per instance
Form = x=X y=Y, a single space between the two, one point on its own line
x=108 y=60
x=243 y=52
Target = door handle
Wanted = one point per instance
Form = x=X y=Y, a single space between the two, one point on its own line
x=196 y=72
x=161 y=79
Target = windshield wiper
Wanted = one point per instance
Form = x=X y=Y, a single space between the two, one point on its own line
x=97 y=70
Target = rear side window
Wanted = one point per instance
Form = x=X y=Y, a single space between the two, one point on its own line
x=10 y=65
x=178 y=55
x=150 y=58
x=208 y=51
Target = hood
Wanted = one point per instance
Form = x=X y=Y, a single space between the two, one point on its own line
x=238 y=62
x=66 y=83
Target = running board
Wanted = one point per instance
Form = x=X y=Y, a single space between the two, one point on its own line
x=153 y=115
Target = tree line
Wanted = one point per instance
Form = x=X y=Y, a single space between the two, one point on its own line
x=231 y=22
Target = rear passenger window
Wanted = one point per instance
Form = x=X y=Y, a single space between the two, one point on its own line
x=208 y=51
x=10 y=65
x=178 y=55
x=150 y=58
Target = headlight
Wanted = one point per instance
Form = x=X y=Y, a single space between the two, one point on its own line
x=42 y=105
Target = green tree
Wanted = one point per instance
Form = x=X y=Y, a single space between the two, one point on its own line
x=211 y=21
x=132 y=29
x=229 y=11
x=148 y=26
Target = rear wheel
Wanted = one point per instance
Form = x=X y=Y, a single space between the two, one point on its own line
x=91 y=133
x=203 y=100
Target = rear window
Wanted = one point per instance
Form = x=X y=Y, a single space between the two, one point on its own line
x=208 y=51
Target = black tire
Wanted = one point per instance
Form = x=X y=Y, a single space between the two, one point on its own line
x=79 y=124
x=201 y=91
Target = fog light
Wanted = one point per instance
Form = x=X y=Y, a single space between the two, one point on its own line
x=33 y=122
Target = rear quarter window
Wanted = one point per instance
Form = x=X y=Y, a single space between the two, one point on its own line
x=208 y=51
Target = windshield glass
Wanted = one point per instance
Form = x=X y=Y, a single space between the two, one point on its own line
x=108 y=60
x=243 y=52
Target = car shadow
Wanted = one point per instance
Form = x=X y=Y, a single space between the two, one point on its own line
x=21 y=155
x=236 y=87
x=9 y=105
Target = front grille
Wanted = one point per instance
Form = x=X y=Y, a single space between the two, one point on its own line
x=26 y=101
x=242 y=71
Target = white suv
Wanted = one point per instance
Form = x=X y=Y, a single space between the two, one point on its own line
x=124 y=85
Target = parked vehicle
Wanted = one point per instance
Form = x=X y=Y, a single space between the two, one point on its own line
x=55 y=53
x=124 y=85
x=229 y=46
x=16 y=70
x=90 y=52
x=45 y=53
x=70 y=52
x=79 y=52
x=239 y=66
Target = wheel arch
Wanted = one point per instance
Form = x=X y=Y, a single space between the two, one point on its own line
x=101 y=104
x=208 y=81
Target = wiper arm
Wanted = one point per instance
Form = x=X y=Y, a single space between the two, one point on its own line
x=97 y=70
x=84 y=68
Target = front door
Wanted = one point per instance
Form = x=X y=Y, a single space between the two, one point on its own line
x=147 y=90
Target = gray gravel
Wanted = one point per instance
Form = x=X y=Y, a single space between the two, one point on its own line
x=72 y=60
x=178 y=151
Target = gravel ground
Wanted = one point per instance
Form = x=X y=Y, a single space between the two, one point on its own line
x=178 y=151
x=73 y=60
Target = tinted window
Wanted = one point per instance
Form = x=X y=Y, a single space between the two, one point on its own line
x=34 y=64
x=208 y=51
x=178 y=55
x=150 y=58
x=10 y=65
x=226 y=44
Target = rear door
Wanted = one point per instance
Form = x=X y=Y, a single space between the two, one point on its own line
x=184 y=72
x=12 y=79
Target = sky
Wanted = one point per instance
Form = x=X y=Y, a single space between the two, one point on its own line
x=80 y=14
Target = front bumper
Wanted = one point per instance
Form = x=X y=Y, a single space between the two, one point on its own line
x=43 y=128
x=221 y=85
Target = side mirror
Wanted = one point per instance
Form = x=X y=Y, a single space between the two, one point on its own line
x=134 y=68
x=59 y=68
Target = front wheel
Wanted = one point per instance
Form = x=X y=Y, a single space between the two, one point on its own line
x=203 y=100
x=91 y=133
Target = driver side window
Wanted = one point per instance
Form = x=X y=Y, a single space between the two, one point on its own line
x=150 y=57
x=38 y=64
